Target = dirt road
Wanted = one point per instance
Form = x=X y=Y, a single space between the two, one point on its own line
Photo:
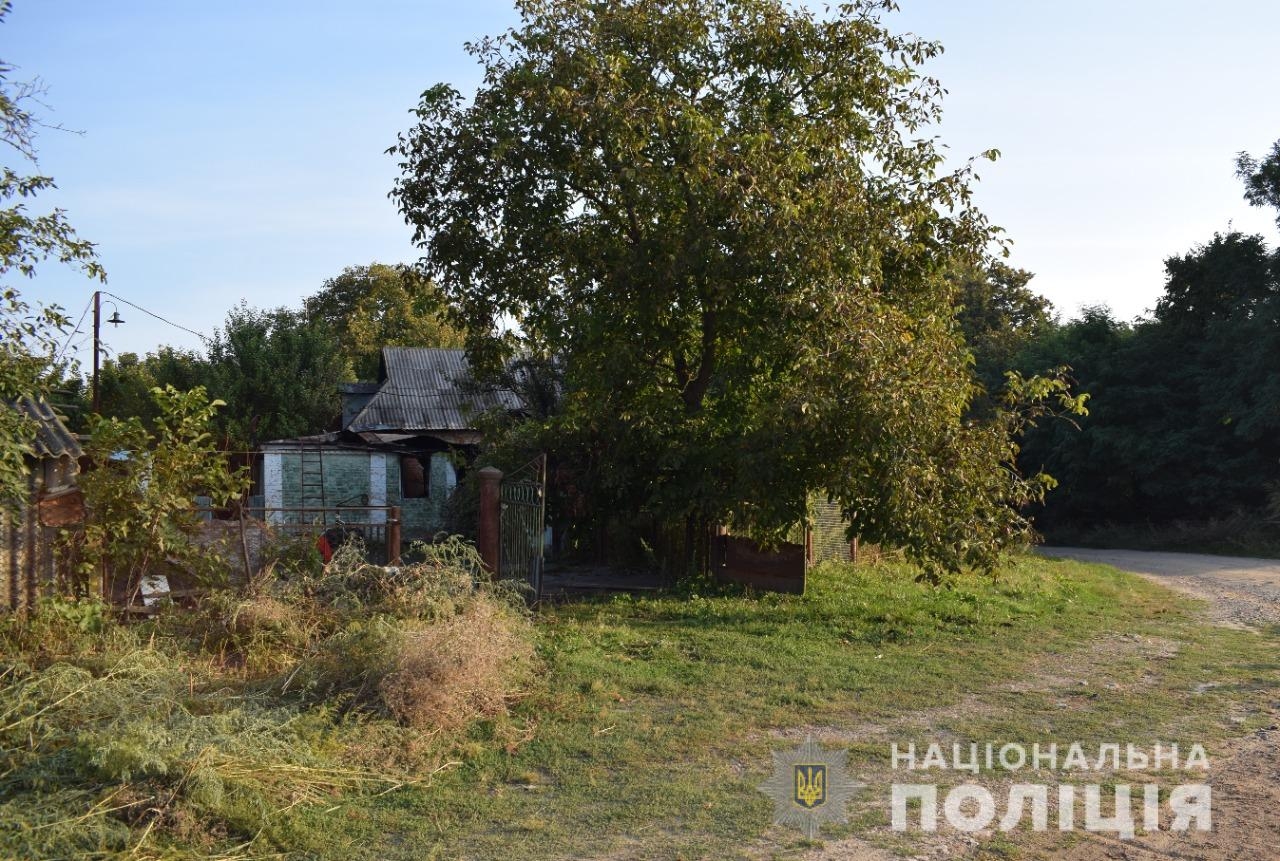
x=1245 y=776
x=1240 y=591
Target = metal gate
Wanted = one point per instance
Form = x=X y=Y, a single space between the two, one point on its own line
x=521 y=524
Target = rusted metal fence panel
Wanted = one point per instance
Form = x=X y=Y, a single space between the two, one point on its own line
x=735 y=559
x=830 y=532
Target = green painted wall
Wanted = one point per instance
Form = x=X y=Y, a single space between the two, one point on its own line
x=346 y=481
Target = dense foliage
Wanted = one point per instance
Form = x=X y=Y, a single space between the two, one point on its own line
x=141 y=494
x=724 y=223
x=371 y=307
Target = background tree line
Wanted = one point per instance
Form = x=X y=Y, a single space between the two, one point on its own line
x=1184 y=416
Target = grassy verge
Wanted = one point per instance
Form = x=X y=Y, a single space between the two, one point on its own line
x=652 y=720
x=659 y=715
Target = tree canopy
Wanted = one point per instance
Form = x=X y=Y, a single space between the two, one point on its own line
x=728 y=226
x=375 y=306
x=1261 y=178
x=999 y=315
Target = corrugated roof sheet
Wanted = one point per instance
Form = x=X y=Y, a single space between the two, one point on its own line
x=426 y=389
x=52 y=437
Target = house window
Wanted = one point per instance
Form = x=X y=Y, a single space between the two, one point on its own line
x=413 y=478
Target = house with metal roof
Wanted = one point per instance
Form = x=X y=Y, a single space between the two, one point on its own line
x=403 y=442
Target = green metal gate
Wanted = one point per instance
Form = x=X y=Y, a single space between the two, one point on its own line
x=521 y=524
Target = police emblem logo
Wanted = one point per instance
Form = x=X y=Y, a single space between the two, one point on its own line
x=809 y=786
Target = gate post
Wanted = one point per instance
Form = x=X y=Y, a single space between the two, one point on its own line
x=393 y=536
x=490 y=517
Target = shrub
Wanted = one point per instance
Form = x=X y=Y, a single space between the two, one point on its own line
x=287 y=556
x=140 y=495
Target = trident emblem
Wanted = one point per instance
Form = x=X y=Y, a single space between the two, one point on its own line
x=811 y=785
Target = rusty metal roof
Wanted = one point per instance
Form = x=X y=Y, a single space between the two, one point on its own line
x=52 y=437
x=427 y=389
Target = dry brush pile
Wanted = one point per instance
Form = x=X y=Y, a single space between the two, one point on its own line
x=197 y=733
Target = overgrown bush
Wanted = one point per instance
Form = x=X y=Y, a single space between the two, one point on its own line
x=141 y=495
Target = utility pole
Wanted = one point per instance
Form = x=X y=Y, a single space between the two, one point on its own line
x=97 y=347
x=97 y=343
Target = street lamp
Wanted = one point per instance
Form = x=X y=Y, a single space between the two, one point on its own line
x=114 y=320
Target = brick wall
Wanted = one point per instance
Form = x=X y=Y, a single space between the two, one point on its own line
x=346 y=479
x=421 y=518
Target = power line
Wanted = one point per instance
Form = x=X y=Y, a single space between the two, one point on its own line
x=157 y=316
x=74 y=331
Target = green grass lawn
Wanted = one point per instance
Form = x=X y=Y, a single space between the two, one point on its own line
x=654 y=719
x=651 y=721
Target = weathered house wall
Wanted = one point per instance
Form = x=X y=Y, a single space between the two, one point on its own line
x=354 y=477
x=423 y=517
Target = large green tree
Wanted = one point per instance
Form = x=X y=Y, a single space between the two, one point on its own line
x=278 y=372
x=29 y=335
x=728 y=222
x=375 y=306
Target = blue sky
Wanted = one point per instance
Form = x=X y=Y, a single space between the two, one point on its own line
x=234 y=151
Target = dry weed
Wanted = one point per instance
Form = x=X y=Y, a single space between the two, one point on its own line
x=460 y=667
